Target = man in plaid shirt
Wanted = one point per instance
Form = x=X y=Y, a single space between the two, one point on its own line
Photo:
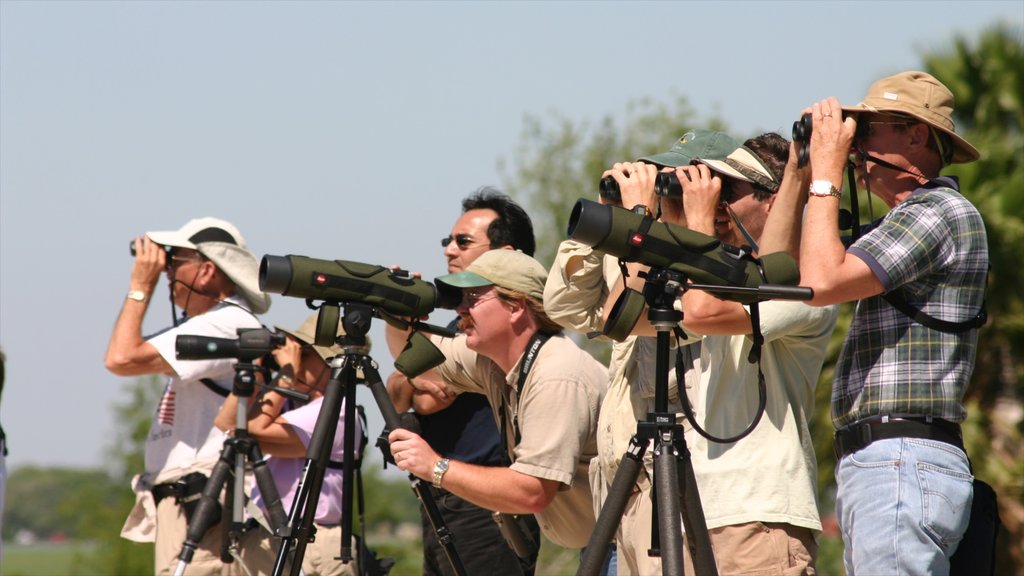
x=918 y=277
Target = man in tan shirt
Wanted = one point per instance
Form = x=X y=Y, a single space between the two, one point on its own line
x=544 y=390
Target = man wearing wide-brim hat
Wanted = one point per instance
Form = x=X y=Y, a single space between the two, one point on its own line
x=904 y=481
x=214 y=280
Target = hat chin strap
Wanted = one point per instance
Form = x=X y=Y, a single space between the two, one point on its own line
x=739 y=225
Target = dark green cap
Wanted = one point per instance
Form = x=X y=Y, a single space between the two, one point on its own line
x=695 y=145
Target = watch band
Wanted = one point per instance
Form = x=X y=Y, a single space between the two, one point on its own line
x=825 y=188
x=439 y=470
x=137 y=295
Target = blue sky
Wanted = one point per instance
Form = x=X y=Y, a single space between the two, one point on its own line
x=346 y=130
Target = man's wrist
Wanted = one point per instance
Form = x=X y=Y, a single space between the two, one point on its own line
x=824 y=189
x=440 y=469
x=138 y=295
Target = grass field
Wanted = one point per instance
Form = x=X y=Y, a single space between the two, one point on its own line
x=41 y=559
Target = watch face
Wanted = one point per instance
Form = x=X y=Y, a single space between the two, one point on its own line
x=821 y=187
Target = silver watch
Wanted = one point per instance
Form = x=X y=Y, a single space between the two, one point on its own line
x=822 y=188
x=439 y=469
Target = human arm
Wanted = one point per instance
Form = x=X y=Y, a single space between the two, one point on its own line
x=785 y=219
x=128 y=354
x=825 y=266
x=492 y=487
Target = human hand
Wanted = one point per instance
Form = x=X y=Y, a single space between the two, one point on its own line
x=150 y=261
x=831 y=140
x=702 y=192
x=412 y=454
x=289 y=359
x=636 y=183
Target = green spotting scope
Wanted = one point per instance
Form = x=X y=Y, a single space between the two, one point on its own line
x=720 y=269
x=393 y=291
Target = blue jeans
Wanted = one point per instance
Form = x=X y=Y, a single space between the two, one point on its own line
x=903 y=505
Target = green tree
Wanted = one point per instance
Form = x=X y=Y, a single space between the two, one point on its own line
x=986 y=74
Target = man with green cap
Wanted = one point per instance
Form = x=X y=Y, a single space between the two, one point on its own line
x=544 y=390
x=581 y=289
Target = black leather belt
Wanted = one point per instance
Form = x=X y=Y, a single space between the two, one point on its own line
x=861 y=434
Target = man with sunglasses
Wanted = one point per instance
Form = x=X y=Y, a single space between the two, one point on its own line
x=918 y=277
x=544 y=392
x=213 y=278
x=460 y=426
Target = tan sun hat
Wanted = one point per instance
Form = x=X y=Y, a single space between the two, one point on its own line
x=221 y=243
x=306 y=334
x=920 y=95
x=509 y=269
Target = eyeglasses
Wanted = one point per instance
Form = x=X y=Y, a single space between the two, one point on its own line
x=471 y=299
x=866 y=129
x=463 y=241
x=174 y=260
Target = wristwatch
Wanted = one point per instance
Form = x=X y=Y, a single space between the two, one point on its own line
x=439 y=469
x=822 y=188
x=642 y=210
x=137 y=295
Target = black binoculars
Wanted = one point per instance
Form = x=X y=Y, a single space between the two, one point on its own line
x=665 y=184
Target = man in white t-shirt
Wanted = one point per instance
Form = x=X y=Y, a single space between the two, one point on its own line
x=214 y=280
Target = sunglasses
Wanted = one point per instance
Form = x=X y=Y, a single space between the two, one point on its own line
x=463 y=241
x=866 y=129
x=471 y=299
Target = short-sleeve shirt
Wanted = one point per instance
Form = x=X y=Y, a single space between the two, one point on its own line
x=182 y=437
x=933 y=248
x=287 y=471
x=557 y=417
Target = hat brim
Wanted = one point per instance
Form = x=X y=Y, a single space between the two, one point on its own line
x=325 y=352
x=452 y=284
x=173 y=238
x=963 y=151
x=723 y=168
x=241 y=267
x=667 y=160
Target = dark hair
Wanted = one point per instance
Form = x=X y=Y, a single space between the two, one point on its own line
x=512 y=227
x=773 y=150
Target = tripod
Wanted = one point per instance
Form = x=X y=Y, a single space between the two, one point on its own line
x=236 y=452
x=672 y=471
x=299 y=529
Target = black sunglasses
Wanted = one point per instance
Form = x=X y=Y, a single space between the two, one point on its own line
x=463 y=241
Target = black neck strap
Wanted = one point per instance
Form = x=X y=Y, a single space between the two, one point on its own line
x=532 y=350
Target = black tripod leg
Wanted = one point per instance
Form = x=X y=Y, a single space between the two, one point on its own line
x=268 y=489
x=208 y=510
x=697 y=538
x=612 y=510
x=422 y=491
x=669 y=530
x=307 y=493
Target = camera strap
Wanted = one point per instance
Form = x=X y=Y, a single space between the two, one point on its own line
x=532 y=349
x=896 y=297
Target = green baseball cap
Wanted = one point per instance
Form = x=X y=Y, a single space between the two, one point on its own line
x=509 y=269
x=694 y=145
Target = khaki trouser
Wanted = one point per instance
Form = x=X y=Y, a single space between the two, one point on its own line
x=259 y=553
x=170 y=535
x=761 y=549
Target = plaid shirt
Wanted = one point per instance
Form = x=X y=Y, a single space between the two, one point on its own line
x=933 y=247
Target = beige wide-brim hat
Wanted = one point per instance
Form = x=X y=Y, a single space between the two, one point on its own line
x=306 y=334
x=221 y=243
x=918 y=94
